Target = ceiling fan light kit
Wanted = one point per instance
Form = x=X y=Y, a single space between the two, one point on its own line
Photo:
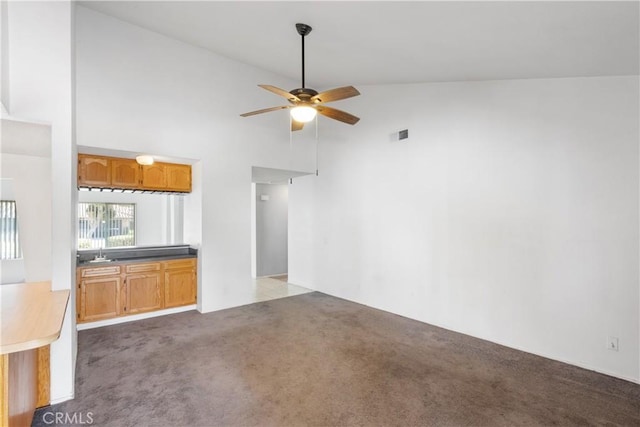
x=303 y=113
x=305 y=103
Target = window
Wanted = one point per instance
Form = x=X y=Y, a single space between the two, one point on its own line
x=106 y=225
x=10 y=246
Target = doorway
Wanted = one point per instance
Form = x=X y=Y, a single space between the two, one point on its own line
x=270 y=233
x=269 y=221
x=271 y=213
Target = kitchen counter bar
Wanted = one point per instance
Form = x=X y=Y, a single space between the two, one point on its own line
x=31 y=315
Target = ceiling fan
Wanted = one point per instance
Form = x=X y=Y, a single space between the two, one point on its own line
x=306 y=102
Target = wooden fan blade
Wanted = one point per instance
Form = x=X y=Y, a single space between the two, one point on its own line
x=283 y=93
x=265 y=110
x=334 y=113
x=296 y=125
x=335 y=94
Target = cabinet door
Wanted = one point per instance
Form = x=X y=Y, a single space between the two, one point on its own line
x=100 y=298
x=125 y=173
x=94 y=171
x=143 y=292
x=178 y=177
x=154 y=177
x=179 y=287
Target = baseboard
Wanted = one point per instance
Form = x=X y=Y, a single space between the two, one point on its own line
x=546 y=356
x=271 y=275
x=61 y=399
x=448 y=328
x=134 y=317
x=303 y=285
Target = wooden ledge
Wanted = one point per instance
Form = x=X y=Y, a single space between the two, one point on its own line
x=31 y=315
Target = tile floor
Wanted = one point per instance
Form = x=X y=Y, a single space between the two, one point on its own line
x=268 y=288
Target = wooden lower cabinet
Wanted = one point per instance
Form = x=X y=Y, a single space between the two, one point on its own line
x=120 y=290
x=143 y=292
x=99 y=298
x=179 y=282
x=179 y=288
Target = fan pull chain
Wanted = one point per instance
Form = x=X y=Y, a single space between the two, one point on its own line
x=290 y=146
x=316 y=145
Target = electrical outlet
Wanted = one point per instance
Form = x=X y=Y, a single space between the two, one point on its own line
x=612 y=343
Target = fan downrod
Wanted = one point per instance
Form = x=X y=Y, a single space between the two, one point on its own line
x=303 y=29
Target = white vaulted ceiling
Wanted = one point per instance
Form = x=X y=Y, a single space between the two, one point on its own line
x=405 y=42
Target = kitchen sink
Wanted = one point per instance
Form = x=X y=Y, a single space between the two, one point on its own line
x=101 y=260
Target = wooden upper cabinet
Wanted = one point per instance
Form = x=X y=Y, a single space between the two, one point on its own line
x=154 y=177
x=125 y=173
x=178 y=177
x=118 y=173
x=94 y=171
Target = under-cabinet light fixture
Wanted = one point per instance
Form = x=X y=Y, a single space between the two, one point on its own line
x=144 y=160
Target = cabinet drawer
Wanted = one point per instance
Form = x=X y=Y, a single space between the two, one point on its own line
x=100 y=271
x=139 y=268
x=180 y=263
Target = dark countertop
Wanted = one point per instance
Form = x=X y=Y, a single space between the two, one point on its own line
x=135 y=255
x=118 y=261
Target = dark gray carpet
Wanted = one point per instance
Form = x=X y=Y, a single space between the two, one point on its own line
x=318 y=360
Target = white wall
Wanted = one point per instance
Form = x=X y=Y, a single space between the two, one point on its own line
x=155 y=224
x=40 y=46
x=271 y=229
x=11 y=270
x=254 y=249
x=192 y=214
x=31 y=176
x=25 y=168
x=4 y=55
x=510 y=213
x=140 y=91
